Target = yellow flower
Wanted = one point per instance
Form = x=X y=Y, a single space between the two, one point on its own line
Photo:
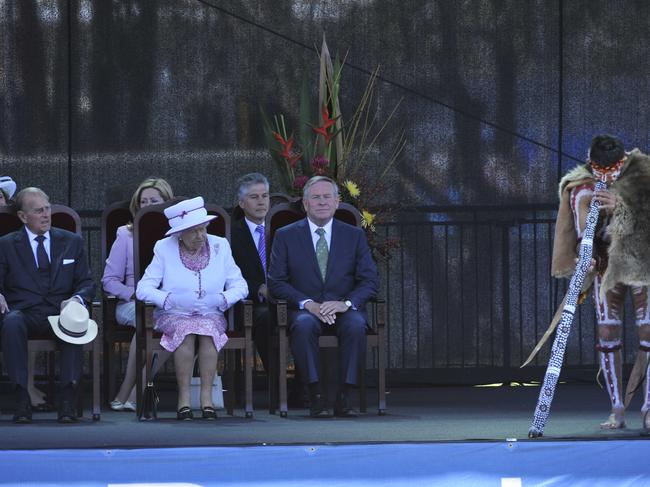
x=352 y=188
x=367 y=220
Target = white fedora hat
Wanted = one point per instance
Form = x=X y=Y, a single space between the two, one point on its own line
x=74 y=325
x=187 y=214
x=7 y=185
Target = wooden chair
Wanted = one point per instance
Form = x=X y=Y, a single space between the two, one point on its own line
x=67 y=219
x=285 y=214
x=113 y=217
x=150 y=226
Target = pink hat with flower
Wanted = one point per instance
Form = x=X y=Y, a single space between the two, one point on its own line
x=187 y=214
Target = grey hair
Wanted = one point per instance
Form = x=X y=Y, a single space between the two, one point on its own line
x=319 y=179
x=248 y=180
x=22 y=194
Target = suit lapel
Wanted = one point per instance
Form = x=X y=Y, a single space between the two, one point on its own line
x=57 y=246
x=26 y=255
x=308 y=243
x=246 y=239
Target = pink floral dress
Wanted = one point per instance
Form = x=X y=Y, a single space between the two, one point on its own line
x=175 y=327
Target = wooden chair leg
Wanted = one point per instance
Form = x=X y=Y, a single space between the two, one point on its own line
x=230 y=373
x=249 y=357
x=363 y=399
x=96 y=381
x=272 y=378
x=381 y=357
x=282 y=370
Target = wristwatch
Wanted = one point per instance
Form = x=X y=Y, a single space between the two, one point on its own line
x=348 y=303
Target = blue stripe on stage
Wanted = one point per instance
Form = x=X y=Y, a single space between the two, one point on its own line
x=551 y=463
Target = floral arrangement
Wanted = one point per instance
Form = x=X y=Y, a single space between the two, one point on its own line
x=323 y=145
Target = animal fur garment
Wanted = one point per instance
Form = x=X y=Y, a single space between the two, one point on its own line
x=629 y=229
x=629 y=250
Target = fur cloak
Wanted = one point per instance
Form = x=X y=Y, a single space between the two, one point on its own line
x=629 y=229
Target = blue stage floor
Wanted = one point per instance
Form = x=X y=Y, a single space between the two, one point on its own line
x=507 y=464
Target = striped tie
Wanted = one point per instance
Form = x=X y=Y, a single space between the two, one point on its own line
x=261 y=246
x=322 y=252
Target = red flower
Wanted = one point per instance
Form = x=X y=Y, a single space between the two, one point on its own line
x=327 y=123
x=292 y=158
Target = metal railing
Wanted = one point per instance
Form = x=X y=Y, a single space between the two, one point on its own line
x=469 y=293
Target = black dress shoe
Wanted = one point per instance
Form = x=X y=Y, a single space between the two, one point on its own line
x=318 y=407
x=67 y=413
x=342 y=407
x=209 y=413
x=23 y=414
x=184 y=414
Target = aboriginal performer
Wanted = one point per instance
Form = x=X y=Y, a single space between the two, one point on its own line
x=622 y=258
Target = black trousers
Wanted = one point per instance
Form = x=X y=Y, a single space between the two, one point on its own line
x=17 y=326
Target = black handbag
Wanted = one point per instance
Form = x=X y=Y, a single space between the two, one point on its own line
x=148 y=409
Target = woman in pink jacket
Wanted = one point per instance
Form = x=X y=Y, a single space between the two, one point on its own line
x=118 y=281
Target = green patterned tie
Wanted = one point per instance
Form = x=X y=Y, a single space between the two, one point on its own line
x=322 y=252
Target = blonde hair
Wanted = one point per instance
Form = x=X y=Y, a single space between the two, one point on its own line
x=158 y=184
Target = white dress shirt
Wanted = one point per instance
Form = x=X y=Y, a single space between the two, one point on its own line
x=46 y=243
x=256 y=235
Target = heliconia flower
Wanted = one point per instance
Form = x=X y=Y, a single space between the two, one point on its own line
x=300 y=181
x=278 y=137
x=291 y=157
x=327 y=123
x=320 y=164
x=368 y=220
x=293 y=160
x=286 y=148
x=352 y=188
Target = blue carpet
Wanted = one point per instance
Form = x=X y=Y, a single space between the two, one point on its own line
x=506 y=464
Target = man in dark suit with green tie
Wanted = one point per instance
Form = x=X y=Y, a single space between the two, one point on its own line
x=324 y=269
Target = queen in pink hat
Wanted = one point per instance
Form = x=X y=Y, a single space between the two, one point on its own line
x=192 y=280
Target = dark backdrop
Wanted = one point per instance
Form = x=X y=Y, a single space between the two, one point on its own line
x=500 y=97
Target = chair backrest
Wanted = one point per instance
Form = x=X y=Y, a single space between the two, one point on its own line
x=62 y=217
x=275 y=198
x=286 y=213
x=113 y=217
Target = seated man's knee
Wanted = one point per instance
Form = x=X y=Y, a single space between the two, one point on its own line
x=355 y=323
x=305 y=323
x=13 y=322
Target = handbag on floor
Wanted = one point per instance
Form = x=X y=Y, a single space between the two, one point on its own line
x=148 y=409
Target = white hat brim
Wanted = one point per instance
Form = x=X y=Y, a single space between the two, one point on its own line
x=91 y=332
x=9 y=187
x=187 y=226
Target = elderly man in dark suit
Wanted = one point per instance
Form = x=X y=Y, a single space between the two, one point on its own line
x=249 y=252
x=42 y=270
x=325 y=271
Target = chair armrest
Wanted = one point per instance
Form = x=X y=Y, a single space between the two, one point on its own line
x=281 y=312
x=379 y=313
x=246 y=306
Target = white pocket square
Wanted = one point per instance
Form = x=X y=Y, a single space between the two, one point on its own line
x=68 y=261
